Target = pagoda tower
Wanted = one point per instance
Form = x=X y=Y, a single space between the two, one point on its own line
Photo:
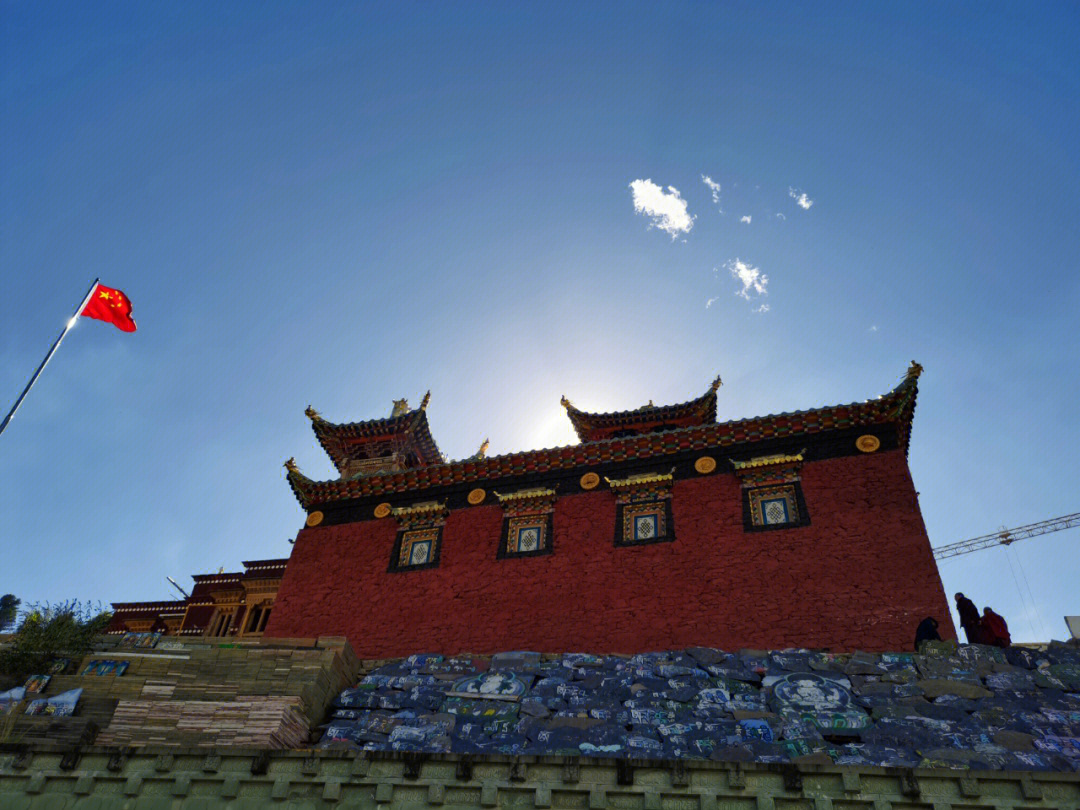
x=400 y=442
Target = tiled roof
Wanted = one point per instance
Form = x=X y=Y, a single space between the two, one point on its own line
x=897 y=406
x=260 y=565
x=130 y=607
x=217 y=579
x=701 y=411
x=334 y=438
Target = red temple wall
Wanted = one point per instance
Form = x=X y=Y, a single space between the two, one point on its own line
x=860 y=576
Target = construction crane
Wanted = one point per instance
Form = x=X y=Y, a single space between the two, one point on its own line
x=1006 y=537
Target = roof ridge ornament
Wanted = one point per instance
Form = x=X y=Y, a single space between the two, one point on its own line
x=401 y=407
x=481 y=453
x=424 y=402
x=716 y=383
x=313 y=414
x=913 y=372
x=567 y=403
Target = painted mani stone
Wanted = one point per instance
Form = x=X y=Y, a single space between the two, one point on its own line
x=824 y=702
x=492 y=685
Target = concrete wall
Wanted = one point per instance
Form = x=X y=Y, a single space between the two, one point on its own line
x=860 y=576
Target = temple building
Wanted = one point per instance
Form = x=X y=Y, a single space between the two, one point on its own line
x=661 y=528
x=222 y=605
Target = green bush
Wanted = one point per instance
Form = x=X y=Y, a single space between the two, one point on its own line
x=48 y=632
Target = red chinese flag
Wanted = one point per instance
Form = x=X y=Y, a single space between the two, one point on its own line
x=107 y=304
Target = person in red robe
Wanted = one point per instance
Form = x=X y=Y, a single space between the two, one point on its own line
x=994 y=629
x=969 y=619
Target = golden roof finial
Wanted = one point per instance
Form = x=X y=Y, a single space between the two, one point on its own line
x=401 y=407
x=290 y=465
x=483 y=448
x=424 y=402
x=717 y=382
x=914 y=370
x=311 y=413
x=565 y=402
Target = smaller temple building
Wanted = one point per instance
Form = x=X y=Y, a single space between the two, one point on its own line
x=236 y=604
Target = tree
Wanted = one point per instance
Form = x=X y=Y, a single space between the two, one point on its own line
x=48 y=632
x=9 y=610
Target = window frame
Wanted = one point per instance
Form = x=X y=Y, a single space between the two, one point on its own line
x=541 y=518
x=662 y=505
x=433 y=558
x=802 y=515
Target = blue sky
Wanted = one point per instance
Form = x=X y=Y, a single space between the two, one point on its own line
x=346 y=204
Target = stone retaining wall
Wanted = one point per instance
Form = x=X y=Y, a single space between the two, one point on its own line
x=953 y=706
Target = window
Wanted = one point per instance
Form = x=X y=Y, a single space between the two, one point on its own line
x=643 y=522
x=527 y=523
x=220 y=624
x=257 y=618
x=643 y=509
x=419 y=536
x=525 y=536
x=416 y=549
x=774 y=507
x=772 y=492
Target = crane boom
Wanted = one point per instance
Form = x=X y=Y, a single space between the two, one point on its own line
x=1007 y=536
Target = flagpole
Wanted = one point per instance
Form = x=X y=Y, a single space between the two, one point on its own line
x=71 y=322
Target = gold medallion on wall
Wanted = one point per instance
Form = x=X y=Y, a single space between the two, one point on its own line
x=590 y=480
x=705 y=465
x=868 y=443
x=476 y=496
x=382 y=510
x=314 y=518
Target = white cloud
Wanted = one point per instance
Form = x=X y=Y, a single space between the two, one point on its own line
x=780 y=216
x=762 y=308
x=873 y=328
x=751 y=278
x=745 y=219
x=800 y=198
x=667 y=209
x=714 y=187
x=711 y=301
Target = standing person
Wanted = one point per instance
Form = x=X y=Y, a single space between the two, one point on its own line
x=969 y=619
x=926 y=631
x=995 y=629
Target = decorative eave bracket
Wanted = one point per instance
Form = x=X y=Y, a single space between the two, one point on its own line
x=429 y=513
x=642 y=487
x=769 y=470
